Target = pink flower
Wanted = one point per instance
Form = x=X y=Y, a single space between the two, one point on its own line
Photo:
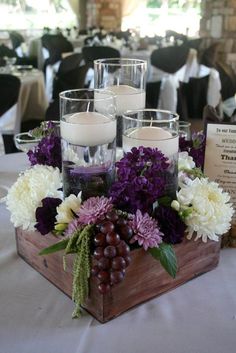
x=94 y=210
x=146 y=231
x=73 y=226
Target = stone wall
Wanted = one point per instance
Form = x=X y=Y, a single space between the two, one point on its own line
x=104 y=13
x=218 y=23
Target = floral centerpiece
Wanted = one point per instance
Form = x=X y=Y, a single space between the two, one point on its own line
x=136 y=213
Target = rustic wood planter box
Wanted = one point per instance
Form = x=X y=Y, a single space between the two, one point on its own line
x=145 y=278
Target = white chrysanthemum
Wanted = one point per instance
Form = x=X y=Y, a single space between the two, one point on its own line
x=206 y=208
x=26 y=193
x=185 y=161
x=67 y=207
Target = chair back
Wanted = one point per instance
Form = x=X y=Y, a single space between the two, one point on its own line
x=69 y=63
x=5 y=51
x=170 y=59
x=56 y=44
x=192 y=97
x=16 y=39
x=72 y=79
x=9 y=92
x=102 y=52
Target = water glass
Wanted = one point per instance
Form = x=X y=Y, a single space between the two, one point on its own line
x=127 y=79
x=156 y=129
x=88 y=135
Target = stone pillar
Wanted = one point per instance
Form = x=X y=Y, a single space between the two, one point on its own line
x=104 y=13
x=218 y=23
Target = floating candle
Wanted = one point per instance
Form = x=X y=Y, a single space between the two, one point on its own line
x=88 y=129
x=150 y=136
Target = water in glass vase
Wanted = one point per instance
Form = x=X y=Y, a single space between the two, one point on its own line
x=88 y=169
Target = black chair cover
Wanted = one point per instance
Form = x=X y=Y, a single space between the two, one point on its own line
x=192 y=98
x=102 y=52
x=56 y=44
x=72 y=79
x=152 y=94
x=170 y=59
x=16 y=39
x=9 y=92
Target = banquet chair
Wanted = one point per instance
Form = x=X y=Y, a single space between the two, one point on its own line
x=16 y=39
x=9 y=92
x=69 y=79
x=101 y=52
x=192 y=98
x=56 y=44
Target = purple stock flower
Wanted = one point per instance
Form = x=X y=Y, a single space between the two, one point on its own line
x=146 y=231
x=140 y=179
x=46 y=215
x=170 y=224
x=94 y=209
x=195 y=148
x=47 y=152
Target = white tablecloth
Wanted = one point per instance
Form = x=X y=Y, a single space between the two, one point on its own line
x=198 y=317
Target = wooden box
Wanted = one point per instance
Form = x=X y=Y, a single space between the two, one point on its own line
x=145 y=278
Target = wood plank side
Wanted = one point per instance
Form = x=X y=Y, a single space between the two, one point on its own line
x=145 y=278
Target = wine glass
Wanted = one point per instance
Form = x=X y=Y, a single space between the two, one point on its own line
x=24 y=141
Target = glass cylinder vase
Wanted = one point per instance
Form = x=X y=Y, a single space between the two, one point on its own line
x=88 y=135
x=155 y=129
x=127 y=79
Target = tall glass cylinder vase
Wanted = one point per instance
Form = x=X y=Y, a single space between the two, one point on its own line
x=127 y=79
x=156 y=129
x=88 y=135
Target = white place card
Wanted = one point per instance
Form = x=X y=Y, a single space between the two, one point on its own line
x=220 y=158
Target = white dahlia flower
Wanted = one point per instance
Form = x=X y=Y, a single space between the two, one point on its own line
x=65 y=210
x=205 y=208
x=30 y=188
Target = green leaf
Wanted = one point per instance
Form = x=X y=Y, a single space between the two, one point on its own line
x=55 y=247
x=164 y=201
x=166 y=255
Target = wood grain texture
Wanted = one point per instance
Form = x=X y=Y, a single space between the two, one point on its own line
x=144 y=279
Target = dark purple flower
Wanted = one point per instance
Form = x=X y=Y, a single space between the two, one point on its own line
x=195 y=148
x=47 y=152
x=170 y=224
x=46 y=215
x=140 y=179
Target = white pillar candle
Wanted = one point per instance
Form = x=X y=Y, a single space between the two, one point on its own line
x=88 y=129
x=150 y=136
x=127 y=98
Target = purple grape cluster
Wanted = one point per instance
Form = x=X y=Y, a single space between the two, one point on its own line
x=111 y=251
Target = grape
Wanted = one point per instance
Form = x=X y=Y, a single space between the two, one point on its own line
x=127 y=260
x=112 y=216
x=104 y=263
x=126 y=232
x=95 y=270
x=99 y=239
x=123 y=249
x=112 y=238
x=103 y=276
x=116 y=277
x=98 y=253
x=107 y=227
x=110 y=251
x=121 y=222
x=104 y=288
x=118 y=263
